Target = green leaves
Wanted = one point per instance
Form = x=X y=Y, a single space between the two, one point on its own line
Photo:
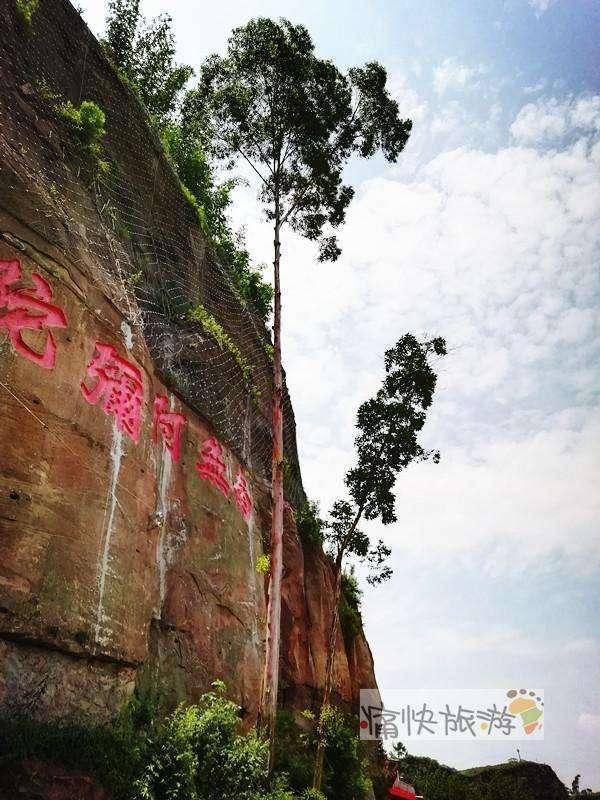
x=296 y=120
x=88 y=122
x=27 y=9
x=210 y=324
x=389 y=424
x=376 y=125
x=309 y=523
x=144 y=53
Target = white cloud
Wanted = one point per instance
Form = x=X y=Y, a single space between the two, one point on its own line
x=509 y=494
x=497 y=252
x=409 y=102
x=589 y=723
x=550 y=120
x=451 y=75
x=456 y=125
x=535 y=88
x=541 y=5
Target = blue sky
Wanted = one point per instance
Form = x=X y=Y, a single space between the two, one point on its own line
x=485 y=232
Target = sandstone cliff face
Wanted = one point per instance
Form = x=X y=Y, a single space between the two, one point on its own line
x=122 y=560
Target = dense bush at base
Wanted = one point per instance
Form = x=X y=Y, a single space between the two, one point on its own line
x=196 y=753
x=351 y=771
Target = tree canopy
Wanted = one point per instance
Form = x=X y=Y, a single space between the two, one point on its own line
x=295 y=119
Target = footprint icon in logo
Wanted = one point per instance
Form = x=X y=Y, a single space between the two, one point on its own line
x=528 y=706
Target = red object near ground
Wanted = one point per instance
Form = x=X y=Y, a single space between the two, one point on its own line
x=401 y=789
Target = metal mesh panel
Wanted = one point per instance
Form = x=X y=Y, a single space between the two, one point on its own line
x=142 y=242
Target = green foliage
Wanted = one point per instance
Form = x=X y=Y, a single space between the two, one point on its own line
x=112 y=753
x=193 y=201
x=195 y=753
x=144 y=53
x=280 y=793
x=248 y=280
x=349 y=609
x=309 y=523
x=187 y=156
x=399 y=751
x=45 y=92
x=263 y=564
x=27 y=9
x=296 y=119
x=346 y=765
x=88 y=124
x=389 y=425
x=255 y=394
x=211 y=201
x=294 y=751
x=269 y=349
x=200 y=315
x=199 y=755
x=172 y=764
x=512 y=781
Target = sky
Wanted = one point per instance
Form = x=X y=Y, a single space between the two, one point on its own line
x=487 y=232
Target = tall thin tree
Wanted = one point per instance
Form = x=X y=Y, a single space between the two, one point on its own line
x=294 y=120
x=389 y=426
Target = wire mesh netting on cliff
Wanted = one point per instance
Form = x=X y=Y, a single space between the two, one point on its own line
x=131 y=228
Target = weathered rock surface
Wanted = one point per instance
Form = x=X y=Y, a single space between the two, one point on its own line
x=120 y=565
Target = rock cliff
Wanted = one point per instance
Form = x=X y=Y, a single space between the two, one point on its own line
x=134 y=496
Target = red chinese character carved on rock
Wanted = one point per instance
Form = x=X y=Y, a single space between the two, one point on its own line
x=211 y=465
x=242 y=495
x=119 y=384
x=29 y=309
x=170 y=424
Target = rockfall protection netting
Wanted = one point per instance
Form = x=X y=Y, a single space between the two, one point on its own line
x=140 y=235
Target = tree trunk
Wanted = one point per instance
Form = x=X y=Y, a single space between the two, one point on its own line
x=268 y=704
x=331 y=644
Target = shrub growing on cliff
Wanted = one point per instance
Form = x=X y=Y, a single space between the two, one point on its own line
x=87 y=121
x=309 y=523
x=198 y=754
x=214 y=328
x=211 y=200
x=27 y=9
x=349 y=609
x=195 y=753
